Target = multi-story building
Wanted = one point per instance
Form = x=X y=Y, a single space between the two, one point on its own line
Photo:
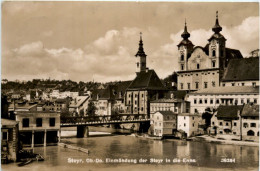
x=164 y=123
x=61 y=104
x=250 y=122
x=79 y=105
x=214 y=97
x=119 y=104
x=9 y=140
x=144 y=88
x=242 y=72
x=203 y=67
x=38 y=128
x=226 y=122
x=189 y=123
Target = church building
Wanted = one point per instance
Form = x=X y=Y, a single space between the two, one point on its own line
x=145 y=87
x=203 y=67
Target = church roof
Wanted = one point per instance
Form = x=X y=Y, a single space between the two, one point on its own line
x=185 y=42
x=244 y=69
x=147 y=80
x=233 y=53
x=141 y=49
x=217 y=36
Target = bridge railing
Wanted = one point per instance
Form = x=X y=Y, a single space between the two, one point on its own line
x=102 y=118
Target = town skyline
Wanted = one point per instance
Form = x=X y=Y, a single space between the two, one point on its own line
x=65 y=43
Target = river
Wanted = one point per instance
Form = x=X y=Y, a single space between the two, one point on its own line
x=142 y=154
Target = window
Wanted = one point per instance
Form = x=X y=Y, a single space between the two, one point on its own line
x=182 y=67
x=205 y=85
x=220 y=123
x=195 y=110
x=135 y=102
x=142 y=109
x=142 y=95
x=198 y=66
x=52 y=121
x=233 y=84
x=138 y=64
x=253 y=125
x=220 y=132
x=4 y=136
x=193 y=124
x=181 y=85
x=235 y=124
x=211 y=101
x=26 y=122
x=188 y=85
x=184 y=117
x=129 y=102
x=213 y=64
x=205 y=101
x=195 y=101
x=253 y=84
x=213 y=53
x=213 y=84
x=182 y=57
x=184 y=124
x=223 y=85
x=236 y=101
x=242 y=84
x=247 y=100
x=39 y=122
x=135 y=95
x=200 y=101
x=192 y=117
x=213 y=123
x=197 y=85
x=255 y=101
x=242 y=101
x=234 y=133
x=245 y=125
x=226 y=123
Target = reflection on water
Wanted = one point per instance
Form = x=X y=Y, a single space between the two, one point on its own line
x=207 y=155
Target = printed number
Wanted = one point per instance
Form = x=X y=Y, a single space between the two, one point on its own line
x=228 y=160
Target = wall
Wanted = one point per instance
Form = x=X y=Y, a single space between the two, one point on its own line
x=201 y=77
x=250 y=120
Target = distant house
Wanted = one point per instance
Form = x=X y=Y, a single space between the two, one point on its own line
x=242 y=72
x=39 y=128
x=226 y=122
x=189 y=123
x=22 y=106
x=79 y=105
x=164 y=123
x=9 y=140
x=250 y=122
x=104 y=100
x=61 y=104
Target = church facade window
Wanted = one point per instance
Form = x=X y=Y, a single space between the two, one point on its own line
x=214 y=53
x=198 y=66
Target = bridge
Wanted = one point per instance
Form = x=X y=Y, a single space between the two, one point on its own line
x=83 y=122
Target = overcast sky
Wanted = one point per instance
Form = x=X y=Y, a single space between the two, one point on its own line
x=83 y=41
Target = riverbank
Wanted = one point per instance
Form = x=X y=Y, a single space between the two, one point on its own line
x=206 y=138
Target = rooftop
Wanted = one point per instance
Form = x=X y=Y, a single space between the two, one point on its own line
x=229 y=112
x=78 y=101
x=228 y=90
x=166 y=112
x=242 y=70
x=250 y=110
x=147 y=80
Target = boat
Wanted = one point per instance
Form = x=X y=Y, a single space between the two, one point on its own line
x=28 y=161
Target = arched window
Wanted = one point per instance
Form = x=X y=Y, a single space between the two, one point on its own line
x=213 y=53
x=250 y=133
x=198 y=66
x=182 y=57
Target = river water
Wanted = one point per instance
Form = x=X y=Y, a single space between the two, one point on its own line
x=142 y=154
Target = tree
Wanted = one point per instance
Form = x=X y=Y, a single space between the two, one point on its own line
x=91 y=110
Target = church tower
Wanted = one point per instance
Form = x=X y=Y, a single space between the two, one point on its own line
x=217 y=46
x=140 y=57
x=185 y=48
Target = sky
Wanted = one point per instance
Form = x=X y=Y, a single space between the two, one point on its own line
x=86 y=41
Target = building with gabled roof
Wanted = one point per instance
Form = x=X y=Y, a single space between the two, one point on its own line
x=242 y=72
x=250 y=122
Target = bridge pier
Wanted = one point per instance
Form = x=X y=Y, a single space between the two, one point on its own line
x=82 y=131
